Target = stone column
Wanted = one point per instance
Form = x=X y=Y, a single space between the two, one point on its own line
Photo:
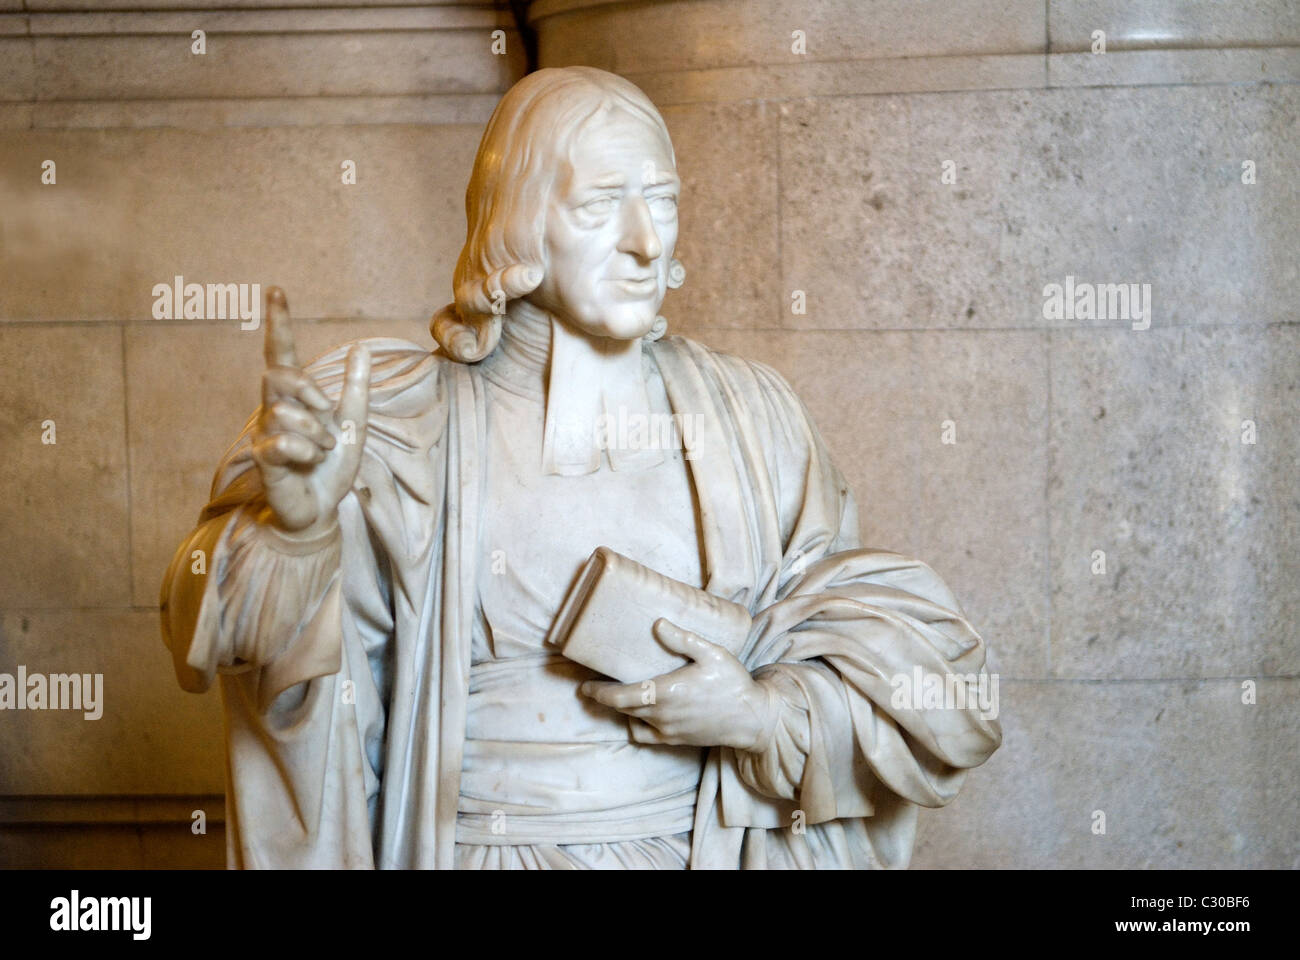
x=881 y=199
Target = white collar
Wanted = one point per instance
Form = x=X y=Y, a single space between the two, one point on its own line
x=591 y=383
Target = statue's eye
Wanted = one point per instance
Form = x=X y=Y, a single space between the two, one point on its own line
x=599 y=207
x=664 y=203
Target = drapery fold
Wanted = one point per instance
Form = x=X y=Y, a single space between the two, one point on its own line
x=346 y=724
x=837 y=621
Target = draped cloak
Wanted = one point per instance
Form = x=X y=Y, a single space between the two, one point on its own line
x=345 y=662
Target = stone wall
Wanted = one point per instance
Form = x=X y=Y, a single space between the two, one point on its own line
x=224 y=167
x=920 y=173
x=823 y=172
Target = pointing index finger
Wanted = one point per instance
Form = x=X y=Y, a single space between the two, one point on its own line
x=279 y=349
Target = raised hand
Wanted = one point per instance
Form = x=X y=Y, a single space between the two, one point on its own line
x=307 y=448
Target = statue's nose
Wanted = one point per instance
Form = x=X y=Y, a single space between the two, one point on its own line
x=640 y=238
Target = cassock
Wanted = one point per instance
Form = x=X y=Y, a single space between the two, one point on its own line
x=390 y=702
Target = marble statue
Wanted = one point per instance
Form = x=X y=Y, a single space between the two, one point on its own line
x=392 y=536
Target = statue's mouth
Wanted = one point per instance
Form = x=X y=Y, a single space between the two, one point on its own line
x=639 y=287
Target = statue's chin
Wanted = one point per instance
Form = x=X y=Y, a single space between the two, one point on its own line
x=620 y=325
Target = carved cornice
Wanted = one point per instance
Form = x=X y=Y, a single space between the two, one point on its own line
x=715 y=50
x=65 y=64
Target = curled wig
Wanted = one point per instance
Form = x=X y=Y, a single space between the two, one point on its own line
x=536 y=123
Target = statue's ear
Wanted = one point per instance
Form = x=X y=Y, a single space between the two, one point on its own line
x=676 y=274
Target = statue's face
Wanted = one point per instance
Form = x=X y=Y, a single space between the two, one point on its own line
x=610 y=230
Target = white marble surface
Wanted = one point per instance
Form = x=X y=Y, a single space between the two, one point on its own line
x=361 y=479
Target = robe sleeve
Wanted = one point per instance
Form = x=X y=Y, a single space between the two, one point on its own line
x=843 y=628
x=774 y=767
x=265 y=586
x=300 y=631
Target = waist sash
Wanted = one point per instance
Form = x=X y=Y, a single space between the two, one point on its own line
x=544 y=764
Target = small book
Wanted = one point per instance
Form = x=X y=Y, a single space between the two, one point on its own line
x=607 y=620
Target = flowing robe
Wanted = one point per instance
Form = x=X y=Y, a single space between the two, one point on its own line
x=345 y=662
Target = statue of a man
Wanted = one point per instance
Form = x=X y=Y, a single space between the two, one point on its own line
x=392 y=536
